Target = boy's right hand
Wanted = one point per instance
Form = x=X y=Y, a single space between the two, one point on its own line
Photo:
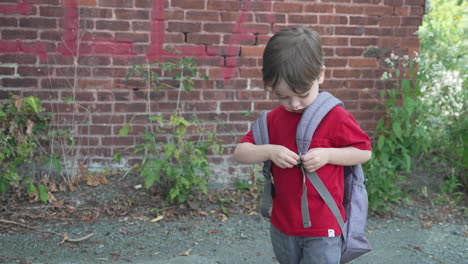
x=282 y=156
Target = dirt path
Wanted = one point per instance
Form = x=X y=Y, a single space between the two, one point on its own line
x=239 y=239
x=119 y=217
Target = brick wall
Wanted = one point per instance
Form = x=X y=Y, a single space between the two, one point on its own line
x=57 y=49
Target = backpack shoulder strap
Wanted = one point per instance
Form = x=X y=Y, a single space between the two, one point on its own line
x=261 y=137
x=312 y=117
x=309 y=122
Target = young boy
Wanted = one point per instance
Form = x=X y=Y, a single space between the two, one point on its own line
x=292 y=71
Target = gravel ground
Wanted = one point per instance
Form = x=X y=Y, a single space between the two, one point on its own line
x=238 y=239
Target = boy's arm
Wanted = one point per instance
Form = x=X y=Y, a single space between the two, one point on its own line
x=250 y=153
x=318 y=157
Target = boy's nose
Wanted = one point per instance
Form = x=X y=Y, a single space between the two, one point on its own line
x=295 y=103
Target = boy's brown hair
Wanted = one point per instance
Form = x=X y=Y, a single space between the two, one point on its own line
x=294 y=56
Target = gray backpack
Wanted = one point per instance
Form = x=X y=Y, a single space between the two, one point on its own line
x=355 y=199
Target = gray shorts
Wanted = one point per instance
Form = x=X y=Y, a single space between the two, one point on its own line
x=305 y=250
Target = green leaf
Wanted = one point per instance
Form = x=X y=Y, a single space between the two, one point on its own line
x=381 y=142
x=2 y=114
x=33 y=102
x=125 y=130
x=396 y=126
x=117 y=157
x=31 y=189
x=405 y=84
x=43 y=193
x=3 y=186
x=69 y=100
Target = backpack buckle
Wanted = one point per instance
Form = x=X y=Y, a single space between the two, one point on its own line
x=299 y=163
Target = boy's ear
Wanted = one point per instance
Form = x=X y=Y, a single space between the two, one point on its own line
x=322 y=75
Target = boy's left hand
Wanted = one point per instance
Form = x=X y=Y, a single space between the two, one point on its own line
x=314 y=159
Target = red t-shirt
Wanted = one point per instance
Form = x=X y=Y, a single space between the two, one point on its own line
x=337 y=130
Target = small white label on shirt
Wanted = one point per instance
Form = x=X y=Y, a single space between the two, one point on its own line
x=331 y=233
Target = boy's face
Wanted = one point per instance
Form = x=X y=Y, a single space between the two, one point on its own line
x=293 y=102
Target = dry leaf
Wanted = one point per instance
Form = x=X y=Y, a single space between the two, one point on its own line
x=19 y=103
x=57 y=204
x=53 y=186
x=222 y=217
x=186 y=253
x=92 y=181
x=51 y=197
x=157 y=219
x=29 y=127
x=426 y=224
x=214 y=231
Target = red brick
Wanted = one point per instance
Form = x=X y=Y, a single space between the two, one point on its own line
x=18 y=82
x=184 y=26
x=363 y=41
x=361 y=84
x=33 y=71
x=219 y=27
x=239 y=38
x=410 y=42
x=349 y=30
x=323 y=19
x=173 y=95
x=349 y=51
x=188 y=4
x=393 y=2
x=245 y=72
x=203 y=16
x=129 y=107
x=223 y=5
x=252 y=51
x=115 y=3
x=203 y=38
x=236 y=106
x=390 y=21
x=402 y=11
x=133 y=37
x=358 y=63
x=349 y=9
x=95 y=12
x=113 y=25
x=303 y=19
x=231 y=128
x=364 y=20
x=250 y=95
x=30 y=22
x=132 y=14
x=51 y=11
x=200 y=106
x=19 y=34
x=287 y=7
x=270 y=18
x=265 y=105
x=94 y=84
x=217 y=95
x=378 y=10
x=94 y=60
x=319 y=8
x=411 y=21
x=6 y=70
x=335 y=62
x=335 y=1
x=335 y=41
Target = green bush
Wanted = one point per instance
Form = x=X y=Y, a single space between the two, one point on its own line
x=400 y=135
x=178 y=165
x=23 y=127
x=425 y=115
x=443 y=73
